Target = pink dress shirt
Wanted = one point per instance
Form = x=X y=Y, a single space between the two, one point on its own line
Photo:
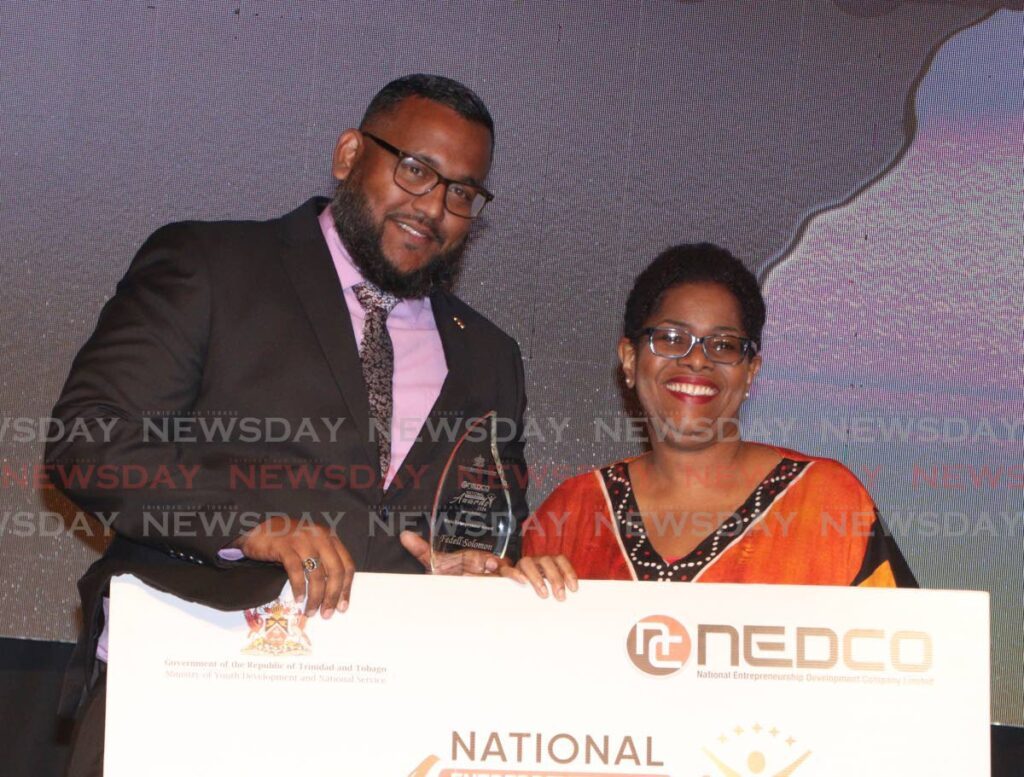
x=420 y=368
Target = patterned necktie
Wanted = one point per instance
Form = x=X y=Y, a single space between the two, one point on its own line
x=378 y=357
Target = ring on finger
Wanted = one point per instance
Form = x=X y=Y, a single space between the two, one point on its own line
x=310 y=565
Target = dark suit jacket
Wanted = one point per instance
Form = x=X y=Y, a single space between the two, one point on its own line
x=246 y=320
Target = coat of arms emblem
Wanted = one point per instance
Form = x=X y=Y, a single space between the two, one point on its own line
x=277 y=629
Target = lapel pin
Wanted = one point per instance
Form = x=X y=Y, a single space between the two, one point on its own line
x=458 y=322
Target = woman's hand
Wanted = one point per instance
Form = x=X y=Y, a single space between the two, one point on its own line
x=544 y=571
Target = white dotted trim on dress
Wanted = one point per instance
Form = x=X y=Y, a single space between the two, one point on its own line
x=635 y=525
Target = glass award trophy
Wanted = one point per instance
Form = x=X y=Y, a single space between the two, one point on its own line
x=472 y=507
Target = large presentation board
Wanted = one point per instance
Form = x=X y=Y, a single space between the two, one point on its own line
x=453 y=676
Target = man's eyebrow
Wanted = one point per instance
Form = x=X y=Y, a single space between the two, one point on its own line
x=466 y=179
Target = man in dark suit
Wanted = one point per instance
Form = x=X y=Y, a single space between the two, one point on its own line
x=294 y=389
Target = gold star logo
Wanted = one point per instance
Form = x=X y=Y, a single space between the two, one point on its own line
x=762 y=755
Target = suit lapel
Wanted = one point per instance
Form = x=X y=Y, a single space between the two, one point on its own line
x=308 y=264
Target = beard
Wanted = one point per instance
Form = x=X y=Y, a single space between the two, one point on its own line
x=362 y=239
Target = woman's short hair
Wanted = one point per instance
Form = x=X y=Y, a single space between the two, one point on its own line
x=694 y=263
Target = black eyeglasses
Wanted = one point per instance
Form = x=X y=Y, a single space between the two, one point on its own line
x=672 y=343
x=417 y=177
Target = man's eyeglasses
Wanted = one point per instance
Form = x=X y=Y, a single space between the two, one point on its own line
x=677 y=343
x=417 y=177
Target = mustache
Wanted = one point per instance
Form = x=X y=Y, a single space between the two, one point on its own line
x=422 y=223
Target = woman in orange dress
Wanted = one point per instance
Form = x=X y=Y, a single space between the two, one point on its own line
x=704 y=505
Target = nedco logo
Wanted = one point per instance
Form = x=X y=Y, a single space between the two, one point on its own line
x=660 y=645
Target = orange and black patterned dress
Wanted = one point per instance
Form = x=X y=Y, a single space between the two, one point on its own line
x=809 y=522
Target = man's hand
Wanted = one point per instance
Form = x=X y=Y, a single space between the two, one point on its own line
x=535 y=570
x=465 y=562
x=289 y=542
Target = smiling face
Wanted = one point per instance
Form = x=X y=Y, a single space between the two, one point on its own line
x=692 y=402
x=410 y=232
